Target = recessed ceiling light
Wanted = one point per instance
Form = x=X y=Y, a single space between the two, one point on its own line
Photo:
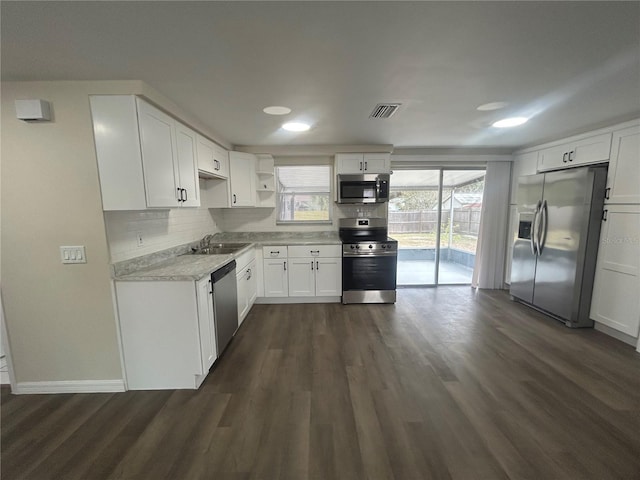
x=296 y=127
x=492 y=106
x=276 y=110
x=510 y=122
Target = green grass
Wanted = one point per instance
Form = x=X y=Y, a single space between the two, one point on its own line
x=428 y=240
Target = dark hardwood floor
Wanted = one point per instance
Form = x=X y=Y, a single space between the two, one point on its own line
x=448 y=383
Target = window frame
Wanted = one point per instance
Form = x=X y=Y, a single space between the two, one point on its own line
x=329 y=195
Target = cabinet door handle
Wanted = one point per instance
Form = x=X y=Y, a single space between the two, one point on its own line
x=604 y=215
x=180 y=195
x=317 y=265
x=360 y=166
x=572 y=155
x=607 y=191
x=186 y=196
x=365 y=166
x=234 y=198
x=564 y=157
x=248 y=273
x=277 y=252
x=210 y=289
x=311 y=265
x=285 y=266
x=315 y=252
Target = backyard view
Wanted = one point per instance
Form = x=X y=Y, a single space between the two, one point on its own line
x=414 y=208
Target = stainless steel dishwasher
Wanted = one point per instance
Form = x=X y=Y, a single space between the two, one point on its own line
x=225 y=304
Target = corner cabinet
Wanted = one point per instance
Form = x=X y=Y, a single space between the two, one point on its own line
x=168 y=333
x=213 y=160
x=354 y=163
x=146 y=158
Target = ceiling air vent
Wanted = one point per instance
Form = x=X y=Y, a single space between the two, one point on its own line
x=384 y=110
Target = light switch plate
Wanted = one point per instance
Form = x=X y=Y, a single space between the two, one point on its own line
x=73 y=254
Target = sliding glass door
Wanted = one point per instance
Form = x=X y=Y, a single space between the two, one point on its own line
x=434 y=214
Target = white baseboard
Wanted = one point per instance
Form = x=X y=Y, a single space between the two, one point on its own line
x=285 y=300
x=71 y=386
x=612 y=332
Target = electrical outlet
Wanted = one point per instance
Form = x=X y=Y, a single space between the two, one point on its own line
x=139 y=239
x=73 y=254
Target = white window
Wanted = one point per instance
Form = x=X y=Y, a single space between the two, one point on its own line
x=303 y=194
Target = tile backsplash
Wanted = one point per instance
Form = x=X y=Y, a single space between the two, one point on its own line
x=264 y=219
x=160 y=229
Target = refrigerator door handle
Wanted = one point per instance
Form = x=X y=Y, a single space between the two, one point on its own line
x=542 y=234
x=532 y=234
x=535 y=229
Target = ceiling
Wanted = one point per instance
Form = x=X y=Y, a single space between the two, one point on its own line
x=568 y=66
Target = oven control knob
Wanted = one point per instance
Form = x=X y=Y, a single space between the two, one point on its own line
x=352 y=247
x=358 y=247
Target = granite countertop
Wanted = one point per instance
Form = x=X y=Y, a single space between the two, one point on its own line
x=176 y=264
x=181 y=267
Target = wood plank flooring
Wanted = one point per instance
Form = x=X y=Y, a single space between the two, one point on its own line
x=449 y=383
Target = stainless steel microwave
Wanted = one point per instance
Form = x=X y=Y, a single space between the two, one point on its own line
x=367 y=188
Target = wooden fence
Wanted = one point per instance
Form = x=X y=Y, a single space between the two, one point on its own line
x=466 y=221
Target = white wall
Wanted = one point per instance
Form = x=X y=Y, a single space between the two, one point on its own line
x=160 y=229
x=60 y=318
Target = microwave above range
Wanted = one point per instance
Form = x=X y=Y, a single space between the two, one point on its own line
x=367 y=188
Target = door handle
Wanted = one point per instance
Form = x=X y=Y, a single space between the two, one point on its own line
x=361 y=166
x=186 y=195
x=285 y=266
x=210 y=291
x=180 y=195
x=564 y=157
x=365 y=166
x=532 y=233
x=317 y=265
x=248 y=273
x=235 y=200
x=572 y=155
x=542 y=234
x=312 y=265
x=607 y=191
x=604 y=215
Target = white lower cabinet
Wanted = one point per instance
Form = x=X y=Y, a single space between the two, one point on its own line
x=616 y=290
x=315 y=277
x=302 y=271
x=168 y=333
x=247 y=290
x=274 y=271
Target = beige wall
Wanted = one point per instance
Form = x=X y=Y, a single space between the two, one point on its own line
x=60 y=318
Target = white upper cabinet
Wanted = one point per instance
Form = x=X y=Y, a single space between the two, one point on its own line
x=242 y=179
x=623 y=182
x=355 y=163
x=213 y=160
x=146 y=158
x=523 y=164
x=187 y=166
x=573 y=153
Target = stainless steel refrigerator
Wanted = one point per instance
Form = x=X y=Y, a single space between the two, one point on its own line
x=554 y=252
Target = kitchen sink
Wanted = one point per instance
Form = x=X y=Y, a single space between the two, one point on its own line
x=219 y=249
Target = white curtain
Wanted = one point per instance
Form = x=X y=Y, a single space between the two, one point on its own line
x=492 y=238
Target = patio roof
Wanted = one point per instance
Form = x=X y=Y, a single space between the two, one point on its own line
x=428 y=179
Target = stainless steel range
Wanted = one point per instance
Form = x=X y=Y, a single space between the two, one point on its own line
x=369 y=261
